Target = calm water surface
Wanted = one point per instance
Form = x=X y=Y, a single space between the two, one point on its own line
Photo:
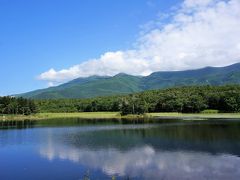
x=167 y=150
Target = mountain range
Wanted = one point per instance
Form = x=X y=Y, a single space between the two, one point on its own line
x=94 y=86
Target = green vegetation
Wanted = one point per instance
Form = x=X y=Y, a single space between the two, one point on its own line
x=194 y=99
x=96 y=86
x=81 y=115
x=196 y=116
x=117 y=116
x=12 y=105
x=84 y=115
x=89 y=87
x=210 y=111
x=210 y=101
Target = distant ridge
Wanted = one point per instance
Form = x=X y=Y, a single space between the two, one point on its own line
x=121 y=83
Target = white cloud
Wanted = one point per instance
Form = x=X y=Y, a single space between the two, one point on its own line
x=198 y=3
x=50 y=84
x=200 y=33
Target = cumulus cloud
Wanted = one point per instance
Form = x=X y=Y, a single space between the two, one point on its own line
x=199 y=33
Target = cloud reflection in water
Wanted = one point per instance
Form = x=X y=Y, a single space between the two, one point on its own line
x=146 y=161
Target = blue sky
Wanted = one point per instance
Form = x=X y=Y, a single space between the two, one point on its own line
x=41 y=34
x=48 y=42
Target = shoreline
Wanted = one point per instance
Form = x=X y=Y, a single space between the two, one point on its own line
x=116 y=115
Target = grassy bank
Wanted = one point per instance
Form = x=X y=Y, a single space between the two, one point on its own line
x=42 y=116
x=195 y=116
x=116 y=115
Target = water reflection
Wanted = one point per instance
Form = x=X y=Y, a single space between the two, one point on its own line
x=176 y=151
x=148 y=163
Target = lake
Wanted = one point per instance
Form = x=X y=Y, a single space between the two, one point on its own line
x=76 y=149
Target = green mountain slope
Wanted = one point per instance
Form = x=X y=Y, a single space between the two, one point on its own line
x=205 y=76
x=52 y=92
x=89 y=87
x=124 y=84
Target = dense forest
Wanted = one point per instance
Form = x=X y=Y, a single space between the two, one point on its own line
x=12 y=105
x=183 y=99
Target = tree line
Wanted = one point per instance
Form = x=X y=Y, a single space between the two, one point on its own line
x=12 y=105
x=192 y=99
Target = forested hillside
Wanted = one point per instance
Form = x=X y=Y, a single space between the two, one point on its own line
x=89 y=87
x=192 y=99
x=189 y=99
x=119 y=84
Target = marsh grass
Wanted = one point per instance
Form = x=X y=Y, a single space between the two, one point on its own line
x=116 y=115
x=196 y=115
